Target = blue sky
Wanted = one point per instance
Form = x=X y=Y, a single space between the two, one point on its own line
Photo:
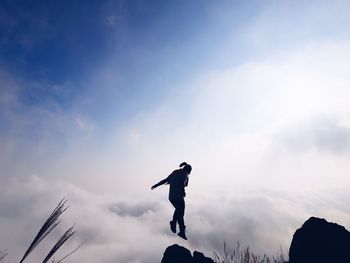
x=148 y=47
x=100 y=99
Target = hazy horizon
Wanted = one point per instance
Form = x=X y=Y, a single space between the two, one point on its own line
x=100 y=100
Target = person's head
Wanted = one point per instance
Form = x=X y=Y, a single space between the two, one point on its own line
x=186 y=167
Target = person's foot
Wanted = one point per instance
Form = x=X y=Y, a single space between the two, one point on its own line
x=173 y=226
x=182 y=234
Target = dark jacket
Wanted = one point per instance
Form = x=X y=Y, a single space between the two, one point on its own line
x=177 y=180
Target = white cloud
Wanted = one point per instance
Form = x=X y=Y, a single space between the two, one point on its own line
x=276 y=28
x=228 y=123
x=33 y=134
x=326 y=134
x=136 y=229
x=107 y=236
x=284 y=88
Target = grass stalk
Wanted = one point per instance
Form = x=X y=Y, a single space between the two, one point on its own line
x=51 y=223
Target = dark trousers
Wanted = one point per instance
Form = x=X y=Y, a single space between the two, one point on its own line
x=179 y=212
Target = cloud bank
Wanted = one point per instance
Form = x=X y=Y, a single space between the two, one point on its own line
x=136 y=229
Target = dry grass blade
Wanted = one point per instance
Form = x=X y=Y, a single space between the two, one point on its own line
x=68 y=234
x=50 y=224
x=70 y=253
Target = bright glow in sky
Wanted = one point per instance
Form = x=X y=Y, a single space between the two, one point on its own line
x=100 y=100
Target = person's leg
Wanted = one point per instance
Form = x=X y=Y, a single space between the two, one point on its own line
x=175 y=205
x=179 y=217
x=173 y=222
x=180 y=214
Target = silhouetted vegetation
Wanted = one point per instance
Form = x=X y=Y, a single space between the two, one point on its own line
x=3 y=254
x=50 y=224
x=243 y=255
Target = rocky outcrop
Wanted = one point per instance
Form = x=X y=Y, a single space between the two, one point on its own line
x=319 y=241
x=199 y=257
x=178 y=254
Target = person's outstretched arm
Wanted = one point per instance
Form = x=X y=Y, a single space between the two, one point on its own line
x=160 y=183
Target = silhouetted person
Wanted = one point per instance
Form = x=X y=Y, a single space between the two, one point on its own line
x=177 y=180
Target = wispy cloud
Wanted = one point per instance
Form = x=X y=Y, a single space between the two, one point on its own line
x=325 y=134
x=32 y=133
